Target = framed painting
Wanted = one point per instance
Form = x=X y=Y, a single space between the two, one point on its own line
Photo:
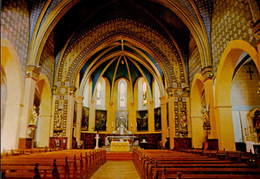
x=101 y=120
x=142 y=120
x=85 y=118
x=157 y=119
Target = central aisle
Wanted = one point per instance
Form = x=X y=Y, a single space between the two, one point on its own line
x=116 y=170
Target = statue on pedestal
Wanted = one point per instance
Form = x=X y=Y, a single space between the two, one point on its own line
x=121 y=130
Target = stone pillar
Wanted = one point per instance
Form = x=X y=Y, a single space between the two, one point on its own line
x=79 y=118
x=54 y=98
x=188 y=116
x=44 y=130
x=209 y=98
x=171 y=110
x=70 y=115
x=163 y=100
x=150 y=107
x=225 y=128
x=132 y=118
x=92 y=117
x=29 y=92
x=110 y=118
x=10 y=128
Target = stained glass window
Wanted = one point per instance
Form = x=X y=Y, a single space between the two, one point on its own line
x=122 y=94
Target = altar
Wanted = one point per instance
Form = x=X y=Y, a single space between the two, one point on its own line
x=119 y=146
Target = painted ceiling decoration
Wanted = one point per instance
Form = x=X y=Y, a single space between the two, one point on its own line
x=71 y=21
x=119 y=61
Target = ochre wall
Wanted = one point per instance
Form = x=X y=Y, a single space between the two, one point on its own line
x=230 y=21
x=16 y=12
x=47 y=59
x=194 y=59
x=244 y=90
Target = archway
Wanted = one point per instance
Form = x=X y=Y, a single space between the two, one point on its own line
x=198 y=134
x=10 y=64
x=44 y=123
x=224 y=77
x=244 y=99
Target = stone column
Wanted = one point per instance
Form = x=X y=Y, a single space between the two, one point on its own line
x=92 y=117
x=209 y=98
x=54 y=98
x=29 y=92
x=10 y=128
x=225 y=131
x=188 y=116
x=70 y=115
x=163 y=100
x=150 y=107
x=44 y=130
x=171 y=110
x=132 y=118
x=110 y=118
x=79 y=118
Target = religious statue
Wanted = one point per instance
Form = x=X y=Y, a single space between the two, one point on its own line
x=30 y=132
x=34 y=116
x=205 y=118
x=184 y=119
x=59 y=119
x=257 y=123
x=121 y=130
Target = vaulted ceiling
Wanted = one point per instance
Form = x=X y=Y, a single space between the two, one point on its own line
x=170 y=19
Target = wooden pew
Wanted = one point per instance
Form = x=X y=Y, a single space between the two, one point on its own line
x=157 y=164
x=75 y=164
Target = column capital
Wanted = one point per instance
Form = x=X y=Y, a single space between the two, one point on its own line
x=79 y=99
x=32 y=72
x=163 y=100
x=207 y=73
x=72 y=90
x=170 y=91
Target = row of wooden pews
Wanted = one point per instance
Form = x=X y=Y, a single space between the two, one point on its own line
x=28 y=151
x=235 y=156
x=59 y=164
x=153 y=164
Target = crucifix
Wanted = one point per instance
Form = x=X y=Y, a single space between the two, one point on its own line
x=250 y=72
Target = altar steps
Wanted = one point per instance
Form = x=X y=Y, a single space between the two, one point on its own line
x=119 y=156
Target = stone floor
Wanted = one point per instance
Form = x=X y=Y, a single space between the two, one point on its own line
x=116 y=170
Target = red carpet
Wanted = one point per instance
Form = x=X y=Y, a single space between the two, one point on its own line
x=119 y=156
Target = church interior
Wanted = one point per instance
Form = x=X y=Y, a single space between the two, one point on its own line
x=130 y=76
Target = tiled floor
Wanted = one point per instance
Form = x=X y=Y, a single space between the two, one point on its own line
x=116 y=170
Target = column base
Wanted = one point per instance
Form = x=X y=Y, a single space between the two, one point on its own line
x=25 y=143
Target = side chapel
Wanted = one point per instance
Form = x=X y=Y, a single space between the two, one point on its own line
x=176 y=73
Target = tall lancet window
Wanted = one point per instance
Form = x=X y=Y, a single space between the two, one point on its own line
x=122 y=95
x=142 y=94
x=98 y=94
x=101 y=93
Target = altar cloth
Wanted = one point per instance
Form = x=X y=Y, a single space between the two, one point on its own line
x=119 y=146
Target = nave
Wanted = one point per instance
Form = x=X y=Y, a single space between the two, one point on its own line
x=144 y=164
x=117 y=169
